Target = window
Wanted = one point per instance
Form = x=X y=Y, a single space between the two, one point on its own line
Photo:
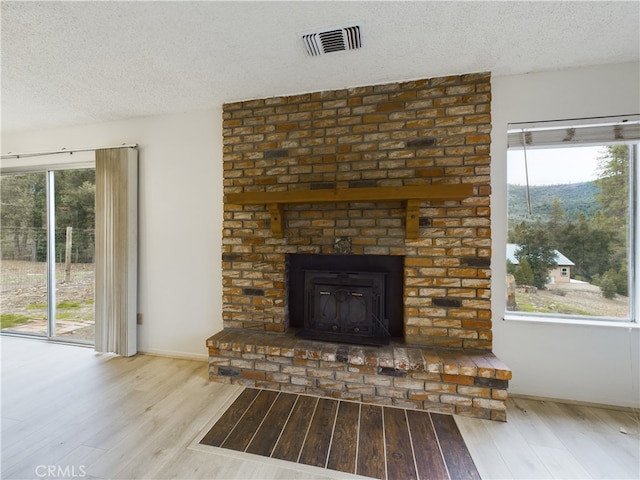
x=572 y=188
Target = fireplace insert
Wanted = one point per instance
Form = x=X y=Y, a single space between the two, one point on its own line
x=346 y=298
x=345 y=306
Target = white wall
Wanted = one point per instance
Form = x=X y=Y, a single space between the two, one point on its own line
x=580 y=362
x=180 y=288
x=180 y=220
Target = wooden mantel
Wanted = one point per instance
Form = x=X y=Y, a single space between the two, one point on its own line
x=411 y=195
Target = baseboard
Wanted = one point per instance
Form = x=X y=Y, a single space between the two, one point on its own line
x=575 y=402
x=179 y=355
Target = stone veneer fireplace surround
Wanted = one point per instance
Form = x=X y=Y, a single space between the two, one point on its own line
x=303 y=172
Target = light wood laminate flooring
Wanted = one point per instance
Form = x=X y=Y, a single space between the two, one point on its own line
x=69 y=412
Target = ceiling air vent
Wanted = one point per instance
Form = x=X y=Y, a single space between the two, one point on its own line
x=333 y=40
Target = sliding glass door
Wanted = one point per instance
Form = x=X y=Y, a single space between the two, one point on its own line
x=23 y=276
x=74 y=240
x=47 y=234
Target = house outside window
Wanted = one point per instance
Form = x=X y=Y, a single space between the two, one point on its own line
x=572 y=188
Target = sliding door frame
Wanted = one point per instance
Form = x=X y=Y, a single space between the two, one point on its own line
x=51 y=254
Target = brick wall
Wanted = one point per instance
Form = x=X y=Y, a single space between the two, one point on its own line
x=432 y=131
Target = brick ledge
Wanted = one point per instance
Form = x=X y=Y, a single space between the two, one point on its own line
x=466 y=382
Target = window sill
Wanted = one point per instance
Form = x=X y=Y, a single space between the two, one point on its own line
x=567 y=321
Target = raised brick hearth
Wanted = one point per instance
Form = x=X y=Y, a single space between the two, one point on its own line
x=472 y=383
x=430 y=133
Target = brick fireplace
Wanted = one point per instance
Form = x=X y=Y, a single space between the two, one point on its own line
x=401 y=169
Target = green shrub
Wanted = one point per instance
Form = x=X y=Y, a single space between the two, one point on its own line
x=524 y=273
x=608 y=286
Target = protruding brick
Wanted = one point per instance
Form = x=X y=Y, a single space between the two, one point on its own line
x=456 y=400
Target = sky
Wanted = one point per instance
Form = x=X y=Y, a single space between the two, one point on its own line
x=553 y=166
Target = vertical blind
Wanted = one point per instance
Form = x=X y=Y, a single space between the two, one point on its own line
x=116 y=250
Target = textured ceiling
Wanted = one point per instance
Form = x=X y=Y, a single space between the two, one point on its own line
x=66 y=63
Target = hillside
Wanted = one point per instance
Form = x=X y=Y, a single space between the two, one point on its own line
x=575 y=198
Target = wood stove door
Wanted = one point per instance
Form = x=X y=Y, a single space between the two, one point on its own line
x=340 y=309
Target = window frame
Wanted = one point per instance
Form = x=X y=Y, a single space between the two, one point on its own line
x=633 y=226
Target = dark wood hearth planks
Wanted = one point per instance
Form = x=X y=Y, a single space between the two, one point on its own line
x=400 y=462
x=242 y=434
x=342 y=456
x=292 y=439
x=316 y=446
x=428 y=456
x=456 y=456
x=371 y=461
x=230 y=418
x=380 y=442
x=270 y=430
